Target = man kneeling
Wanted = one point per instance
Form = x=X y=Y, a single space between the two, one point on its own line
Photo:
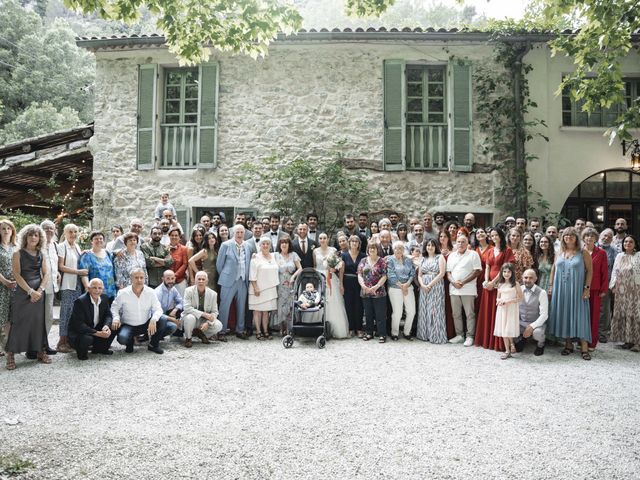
x=200 y=316
x=534 y=311
x=136 y=310
x=90 y=322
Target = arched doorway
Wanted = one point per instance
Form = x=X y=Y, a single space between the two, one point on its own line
x=605 y=196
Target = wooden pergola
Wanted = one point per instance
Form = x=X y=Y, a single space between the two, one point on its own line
x=26 y=168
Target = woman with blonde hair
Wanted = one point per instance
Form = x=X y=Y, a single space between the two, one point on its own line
x=8 y=246
x=28 y=330
x=70 y=283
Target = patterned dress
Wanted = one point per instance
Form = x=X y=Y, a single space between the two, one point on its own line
x=6 y=253
x=544 y=273
x=625 y=324
x=522 y=261
x=431 y=315
x=101 y=268
x=125 y=264
x=286 y=268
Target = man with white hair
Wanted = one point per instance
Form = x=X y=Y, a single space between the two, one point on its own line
x=385 y=247
x=200 y=316
x=534 y=311
x=605 y=243
x=53 y=285
x=135 y=226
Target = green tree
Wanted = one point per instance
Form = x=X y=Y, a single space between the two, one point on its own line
x=39 y=119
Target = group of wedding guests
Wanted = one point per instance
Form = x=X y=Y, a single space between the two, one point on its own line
x=437 y=280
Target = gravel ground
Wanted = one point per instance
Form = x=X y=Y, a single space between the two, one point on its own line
x=249 y=409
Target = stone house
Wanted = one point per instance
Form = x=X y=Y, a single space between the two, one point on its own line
x=403 y=102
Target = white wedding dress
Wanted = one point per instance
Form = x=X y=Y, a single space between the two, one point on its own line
x=334 y=304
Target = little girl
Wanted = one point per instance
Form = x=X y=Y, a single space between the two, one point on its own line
x=508 y=311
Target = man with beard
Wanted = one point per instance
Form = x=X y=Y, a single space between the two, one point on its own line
x=621 y=232
x=439 y=220
x=158 y=257
x=170 y=300
x=165 y=226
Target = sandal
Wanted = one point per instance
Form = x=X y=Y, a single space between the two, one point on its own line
x=44 y=358
x=566 y=351
x=585 y=355
x=366 y=338
x=259 y=336
x=267 y=336
x=11 y=361
x=382 y=339
x=505 y=355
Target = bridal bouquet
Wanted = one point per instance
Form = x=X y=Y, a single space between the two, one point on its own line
x=332 y=262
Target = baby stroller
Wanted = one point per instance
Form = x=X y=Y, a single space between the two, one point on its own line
x=310 y=322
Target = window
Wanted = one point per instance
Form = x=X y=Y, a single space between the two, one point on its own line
x=184 y=134
x=426 y=131
x=573 y=116
x=427 y=116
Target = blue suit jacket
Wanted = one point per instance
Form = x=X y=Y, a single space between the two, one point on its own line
x=228 y=263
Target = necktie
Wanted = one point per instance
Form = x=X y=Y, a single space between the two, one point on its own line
x=302 y=246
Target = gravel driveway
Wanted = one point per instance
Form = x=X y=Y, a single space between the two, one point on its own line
x=249 y=409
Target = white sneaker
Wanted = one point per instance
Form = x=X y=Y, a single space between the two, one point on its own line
x=457 y=339
x=468 y=342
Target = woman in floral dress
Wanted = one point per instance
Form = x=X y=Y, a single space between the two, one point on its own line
x=288 y=268
x=7 y=283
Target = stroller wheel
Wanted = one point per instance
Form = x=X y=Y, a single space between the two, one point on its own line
x=321 y=341
x=287 y=341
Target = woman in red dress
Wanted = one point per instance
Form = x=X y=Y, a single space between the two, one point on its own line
x=446 y=247
x=483 y=248
x=495 y=258
x=599 y=280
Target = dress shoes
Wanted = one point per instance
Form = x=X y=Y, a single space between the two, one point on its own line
x=102 y=352
x=83 y=356
x=129 y=348
x=200 y=334
x=519 y=344
x=31 y=355
x=242 y=336
x=188 y=343
x=51 y=351
x=538 y=351
x=155 y=349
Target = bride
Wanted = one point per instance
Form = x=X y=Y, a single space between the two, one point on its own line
x=335 y=312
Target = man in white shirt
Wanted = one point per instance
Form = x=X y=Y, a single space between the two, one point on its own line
x=534 y=311
x=53 y=286
x=136 y=310
x=463 y=267
x=200 y=316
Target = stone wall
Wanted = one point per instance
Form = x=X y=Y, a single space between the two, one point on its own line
x=299 y=101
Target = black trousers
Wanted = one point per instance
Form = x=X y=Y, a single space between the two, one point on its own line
x=375 y=310
x=82 y=343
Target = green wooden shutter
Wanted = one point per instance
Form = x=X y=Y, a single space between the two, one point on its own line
x=208 y=115
x=461 y=158
x=394 y=115
x=182 y=215
x=146 y=137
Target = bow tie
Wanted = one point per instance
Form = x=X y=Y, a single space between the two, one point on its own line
x=274 y=233
x=312 y=231
x=363 y=230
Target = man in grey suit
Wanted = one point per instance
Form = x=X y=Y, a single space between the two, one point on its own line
x=233 y=274
x=200 y=316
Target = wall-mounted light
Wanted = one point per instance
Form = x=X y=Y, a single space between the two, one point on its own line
x=632 y=147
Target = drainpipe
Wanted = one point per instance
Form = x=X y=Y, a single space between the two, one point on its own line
x=520 y=163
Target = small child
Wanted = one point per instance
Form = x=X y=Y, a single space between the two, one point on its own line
x=309 y=298
x=164 y=205
x=508 y=312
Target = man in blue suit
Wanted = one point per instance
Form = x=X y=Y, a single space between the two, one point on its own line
x=233 y=277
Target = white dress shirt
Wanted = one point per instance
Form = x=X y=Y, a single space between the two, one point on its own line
x=131 y=309
x=96 y=311
x=51 y=255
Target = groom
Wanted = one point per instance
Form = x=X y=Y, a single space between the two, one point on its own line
x=304 y=246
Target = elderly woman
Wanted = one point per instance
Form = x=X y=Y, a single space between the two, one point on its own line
x=206 y=259
x=625 y=285
x=129 y=259
x=99 y=263
x=8 y=284
x=28 y=330
x=522 y=256
x=351 y=287
x=70 y=283
x=432 y=325
x=372 y=275
x=599 y=280
x=571 y=287
x=288 y=268
x=180 y=259
x=264 y=279
x=400 y=275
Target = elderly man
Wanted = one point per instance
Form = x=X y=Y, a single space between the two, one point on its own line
x=135 y=226
x=233 y=274
x=200 y=316
x=53 y=285
x=534 y=311
x=385 y=246
x=205 y=220
x=170 y=300
x=606 y=237
x=463 y=267
x=90 y=322
x=157 y=257
x=136 y=311
x=521 y=224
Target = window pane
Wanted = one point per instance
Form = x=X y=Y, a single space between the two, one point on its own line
x=436 y=106
x=595 y=120
x=191 y=119
x=414 y=75
x=436 y=118
x=173 y=78
x=191 y=77
x=172 y=119
x=436 y=75
x=566 y=119
x=436 y=89
x=635 y=185
x=618 y=185
x=191 y=106
x=414 y=90
x=414 y=105
x=173 y=92
x=582 y=119
x=191 y=91
x=593 y=187
x=414 y=118
x=172 y=106
x=566 y=102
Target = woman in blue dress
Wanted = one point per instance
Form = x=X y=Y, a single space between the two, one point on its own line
x=99 y=264
x=570 y=283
